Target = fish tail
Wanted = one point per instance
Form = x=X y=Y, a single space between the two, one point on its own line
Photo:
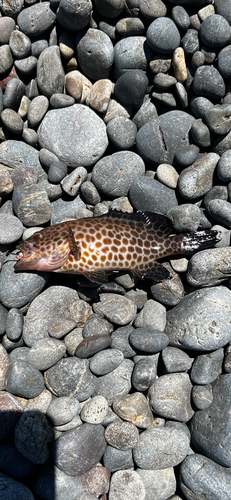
x=192 y=242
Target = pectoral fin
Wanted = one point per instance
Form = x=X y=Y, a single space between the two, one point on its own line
x=57 y=260
x=98 y=276
x=74 y=249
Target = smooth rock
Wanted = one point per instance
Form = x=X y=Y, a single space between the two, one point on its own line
x=134 y=408
x=115 y=384
x=208 y=82
x=115 y=460
x=22 y=379
x=148 y=339
x=209 y=267
x=145 y=371
x=122 y=132
x=130 y=88
x=152 y=315
x=14 y=324
x=45 y=353
x=197 y=180
x=62 y=410
x=176 y=360
x=131 y=53
x=6 y=59
x=36 y=19
x=161 y=483
x=115 y=308
x=202 y=396
x=20 y=44
x=163 y=35
x=147 y=194
x=71 y=377
x=126 y=485
x=31 y=205
x=122 y=435
x=215 y=31
x=170 y=397
x=72 y=15
x=207 y=367
x=50 y=72
x=95 y=54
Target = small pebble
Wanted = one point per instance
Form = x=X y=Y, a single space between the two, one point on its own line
x=95 y=410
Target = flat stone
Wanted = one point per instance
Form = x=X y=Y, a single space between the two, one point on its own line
x=148 y=339
x=210 y=320
x=95 y=54
x=59 y=128
x=86 y=443
x=72 y=15
x=71 y=377
x=31 y=205
x=46 y=353
x=50 y=72
x=22 y=379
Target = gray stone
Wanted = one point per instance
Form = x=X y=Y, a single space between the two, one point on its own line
x=169 y=292
x=14 y=154
x=145 y=371
x=159 y=140
x=37 y=109
x=130 y=26
x=148 y=339
x=11 y=488
x=127 y=485
x=159 y=484
x=201 y=134
x=197 y=474
x=20 y=44
x=106 y=361
x=31 y=205
x=90 y=193
x=4 y=363
x=122 y=435
x=30 y=136
x=33 y=436
x=223 y=62
x=86 y=444
x=223 y=166
x=57 y=171
x=22 y=379
x=220 y=211
x=161 y=447
x=185 y=217
x=176 y=360
x=115 y=460
x=62 y=410
x=50 y=72
x=152 y=315
x=14 y=324
x=7 y=25
x=200 y=105
x=6 y=59
x=71 y=377
x=115 y=308
x=217 y=192
x=122 y=132
x=115 y=384
x=207 y=367
x=64 y=210
x=96 y=325
x=36 y=19
x=215 y=31
x=209 y=267
x=163 y=35
x=190 y=42
x=208 y=82
x=218 y=119
x=134 y=408
x=197 y=180
x=95 y=410
x=50 y=478
x=12 y=121
x=90 y=346
x=45 y=353
x=60 y=127
x=130 y=88
x=147 y=194
x=11 y=229
x=27 y=65
x=61 y=100
x=132 y=52
x=74 y=15
x=145 y=113
x=210 y=320
x=170 y=396
x=120 y=340
x=23 y=288
x=95 y=54
x=113 y=175
x=202 y=396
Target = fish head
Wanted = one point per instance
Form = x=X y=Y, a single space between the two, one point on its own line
x=42 y=252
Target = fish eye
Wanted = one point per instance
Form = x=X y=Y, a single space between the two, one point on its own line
x=37 y=237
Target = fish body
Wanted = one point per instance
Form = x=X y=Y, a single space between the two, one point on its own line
x=117 y=241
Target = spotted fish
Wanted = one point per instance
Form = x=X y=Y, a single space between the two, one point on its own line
x=117 y=241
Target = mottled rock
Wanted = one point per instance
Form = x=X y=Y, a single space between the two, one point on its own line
x=170 y=396
x=33 y=437
x=126 y=485
x=134 y=408
x=116 y=383
x=115 y=308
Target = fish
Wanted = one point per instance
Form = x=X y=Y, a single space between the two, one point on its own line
x=97 y=246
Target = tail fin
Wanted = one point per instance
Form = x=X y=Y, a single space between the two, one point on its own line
x=199 y=240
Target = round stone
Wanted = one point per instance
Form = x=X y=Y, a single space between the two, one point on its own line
x=122 y=132
x=45 y=353
x=126 y=485
x=50 y=72
x=22 y=379
x=11 y=229
x=208 y=82
x=62 y=410
x=7 y=25
x=147 y=194
x=122 y=435
x=95 y=410
x=163 y=35
x=36 y=19
x=148 y=340
x=106 y=361
x=131 y=53
x=95 y=54
x=215 y=31
x=33 y=437
x=130 y=88
x=74 y=15
x=60 y=127
x=170 y=397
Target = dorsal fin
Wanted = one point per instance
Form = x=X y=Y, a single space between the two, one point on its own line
x=153 y=221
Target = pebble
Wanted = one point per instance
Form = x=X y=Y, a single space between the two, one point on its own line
x=50 y=72
x=70 y=377
x=214 y=31
x=36 y=19
x=170 y=397
x=131 y=53
x=115 y=384
x=33 y=437
x=6 y=59
x=208 y=82
x=134 y=408
x=64 y=484
x=167 y=175
x=115 y=308
x=148 y=194
x=23 y=380
x=62 y=410
x=207 y=367
x=130 y=88
x=4 y=362
x=208 y=328
x=201 y=134
x=7 y=25
x=185 y=217
x=197 y=180
x=90 y=346
x=161 y=448
x=209 y=267
x=223 y=169
x=152 y=315
x=202 y=396
x=197 y=474
x=46 y=353
x=114 y=174
x=12 y=121
x=96 y=481
x=115 y=460
x=148 y=340
x=120 y=340
x=11 y=229
x=31 y=205
x=87 y=445
x=145 y=371
x=6 y=184
x=95 y=410
x=37 y=110
x=126 y=485
x=14 y=324
x=73 y=16
x=122 y=435
x=223 y=62
x=54 y=134
x=161 y=483
x=122 y=132
x=106 y=361
x=95 y=54
x=163 y=35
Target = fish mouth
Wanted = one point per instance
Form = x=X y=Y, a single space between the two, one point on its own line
x=26 y=257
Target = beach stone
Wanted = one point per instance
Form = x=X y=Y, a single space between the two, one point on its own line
x=95 y=410
x=131 y=53
x=6 y=184
x=116 y=383
x=104 y=362
x=185 y=217
x=24 y=287
x=161 y=447
x=122 y=435
x=70 y=377
x=6 y=59
x=90 y=346
x=147 y=194
x=115 y=460
x=50 y=72
x=38 y=46
x=130 y=26
x=113 y=175
x=210 y=318
x=7 y=25
x=176 y=360
x=223 y=166
x=11 y=411
x=163 y=35
x=122 y=132
x=87 y=445
x=31 y=205
x=223 y=62
x=209 y=267
x=54 y=134
x=218 y=119
x=62 y=410
x=202 y=396
x=12 y=121
x=96 y=325
x=197 y=474
x=110 y=8
x=57 y=171
x=72 y=15
x=134 y=408
x=167 y=175
x=33 y=437
x=37 y=109
x=11 y=229
x=161 y=483
x=36 y=19
x=146 y=112
x=197 y=180
x=130 y=88
x=72 y=182
x=148 y=339
x=20 y=44
x=120 y=340
x=190 y=42
x=50 y=478
x=156 y=140
x=152 y=315
x=201 y=134
x=78 y=85
x=115 y=308
x=126 y=485
x=181 y=17
x=200 y=105
x=14 y=324
x=11 y=488
x=4 y=363
x=95 y=54
x=99 y=95
x=214 y=31
x=13 y=94
x=208 y=82
x=14 y=154
x=96 y=481
x=22 y=379
x=210 y=427
x=145 y=371
x=45 y=353
x=207 y=367
x=178 y=405
x=61 y=100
